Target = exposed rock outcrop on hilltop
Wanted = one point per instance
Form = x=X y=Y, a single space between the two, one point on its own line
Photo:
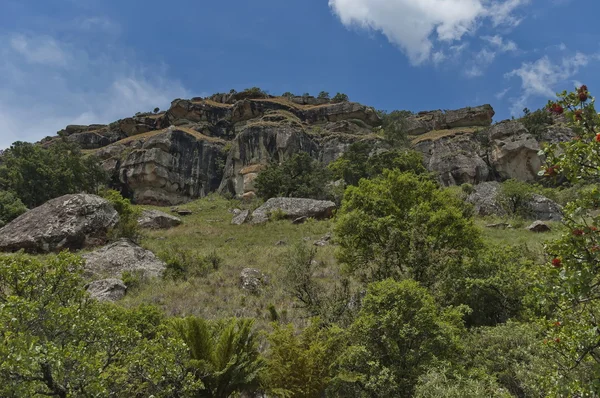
x=70 y=222
x=221 y=143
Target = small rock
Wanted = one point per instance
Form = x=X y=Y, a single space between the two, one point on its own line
x=324 y=241
x=281 y=243
x=154 y=219
x=229 y=240
x=107 y=289
x=253 y=280
x=294 y=208
x=500 y=225
x=181 y=212
x=249 y=196
x=241 y=217
x=538 y=226
x=235 y=212
x=299 y=220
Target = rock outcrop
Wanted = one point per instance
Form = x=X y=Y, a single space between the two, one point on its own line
x=424 y=122
x=107 y=289
x=293 y=208
x=70 y=222
x=112 y=260
x=155 y=219
x=252 y=280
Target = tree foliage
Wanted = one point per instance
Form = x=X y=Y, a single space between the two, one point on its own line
x=36 y=174
x=340 y=97
x=402 y=225
x=11 y=207
x=394 y=126
x=299 y=176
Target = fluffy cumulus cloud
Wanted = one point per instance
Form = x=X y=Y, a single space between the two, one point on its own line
x=46 y=84
x=418 y=27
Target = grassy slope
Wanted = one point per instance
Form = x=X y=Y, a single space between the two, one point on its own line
x=219 y=294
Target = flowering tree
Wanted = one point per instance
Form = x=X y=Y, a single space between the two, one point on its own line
x=574 y=262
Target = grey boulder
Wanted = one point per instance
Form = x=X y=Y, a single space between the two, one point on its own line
x=107 y=289
x=155 y=219
x=70 y=222
x=112 y=260
x=241 y=217
x=294 y=208
x=539 y=226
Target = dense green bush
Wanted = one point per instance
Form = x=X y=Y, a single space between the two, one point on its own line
x=129 y=214
x=403 y=225
x=11 y=207
x=299 y=176
x=184 y=263
x=394 y=126
x=514 y=197
x=340 y=97
x=37 y=174
x=536 y=122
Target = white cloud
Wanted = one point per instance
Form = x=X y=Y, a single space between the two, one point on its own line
x=499 y=95
x=541 y=77
x=37 y=101
x=418 y=27
x=39 y=50
x=499 y=43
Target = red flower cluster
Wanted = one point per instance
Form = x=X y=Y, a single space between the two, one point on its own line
x=552 y=171
x=578 y=115
x=556 y=108
x=598 y=137
x=557 y=262
x=582 y=92
x=557 y=324
x=578 y=232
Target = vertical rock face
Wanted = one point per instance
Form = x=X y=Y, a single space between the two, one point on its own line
x=171 y=168
x=257 y=146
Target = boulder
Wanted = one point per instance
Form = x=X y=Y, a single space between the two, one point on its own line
x=425 y=122
x=107 y=289
x=324 y=241
x=155 y=219
x=241 y=217
x=71 y=222
x=542 y=208
x=484 y=200
x=181 y=212
x=539 y=226
x=294 y=208
x=112 y=260
x=252 y=280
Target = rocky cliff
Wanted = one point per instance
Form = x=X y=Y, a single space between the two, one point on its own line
x=221 y=143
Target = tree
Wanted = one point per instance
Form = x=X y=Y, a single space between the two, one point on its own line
x=323 y=95
x=514 y=197
x=36 y=174
x=299 y=176
x=572 y=285
x=339 y=97
x=363 y=160
x=156 y=110
x=403 y=225
x=224 y=355
x=399 y=333
x=288 y=95
x=394 y=125
x=536 y=122
x=300 y=365
x=57 y=341
x=11 y=207
x=128 y=216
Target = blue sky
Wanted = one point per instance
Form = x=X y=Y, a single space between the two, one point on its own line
x=94 y=61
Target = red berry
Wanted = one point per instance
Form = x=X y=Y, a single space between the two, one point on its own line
x=582 y=89
x=556 y=262
x=557 y=340
x=583 y=96
x=578 y=232
x=557 y=323
x=598 y=137
x=578 y=115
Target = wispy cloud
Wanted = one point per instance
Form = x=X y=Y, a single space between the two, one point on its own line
x=42 y=50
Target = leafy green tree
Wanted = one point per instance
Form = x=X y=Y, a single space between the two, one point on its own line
x=36 y=174
x=536 y=122
x=299 y=176
x=514 y=197
x=399 y=333
x=362 y=160
x=394 y=126
x=573 y=281
x=56 y=341
x=447 y=383
x=323 y=95
x=403 y=225
x=223 y=355
x=288 y=95
x=11 y=207
x=340 y=97
x=301 y=365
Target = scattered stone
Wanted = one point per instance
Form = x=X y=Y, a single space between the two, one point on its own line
x=542 y=208
x=120 y=256
x=70 y=222
x=181 y=212
x=500 y=225
x=107 y=289
x=324 y=241
x=253 y=280
x=155 y=219
x=241 y=217
x=294 y=208
x=281 y=243
x=235 y=212
x=539 y=226
x=248 y=196
x=299 y=220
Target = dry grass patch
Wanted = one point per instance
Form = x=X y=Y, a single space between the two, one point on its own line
x=437 y=134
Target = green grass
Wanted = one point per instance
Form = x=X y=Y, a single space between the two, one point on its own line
x=219 y=294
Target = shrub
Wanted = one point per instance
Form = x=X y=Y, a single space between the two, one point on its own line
x=514 y=197
x=288 y=95
x=11 y=207
x=536 y=122
x=185 y=263
x=394 y=126
x=339 y=97
x=128 y=216
x=156 y=110
x=299 y=176
x=323 y=95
